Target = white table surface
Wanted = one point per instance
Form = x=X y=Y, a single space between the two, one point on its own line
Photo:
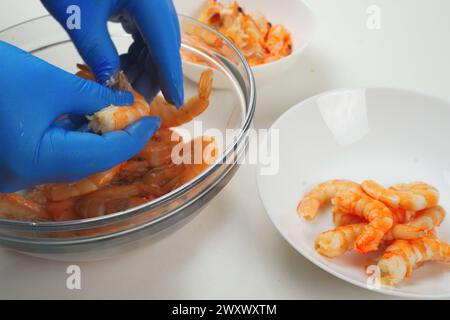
x=231 y=250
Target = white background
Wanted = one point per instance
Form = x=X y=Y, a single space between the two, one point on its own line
x=231 y=250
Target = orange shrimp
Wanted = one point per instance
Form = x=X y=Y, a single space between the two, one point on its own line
x=114 y=118
x=402 y=256
x=414 y=196
x=380 y=218
x=96 y=204
x=173 y=117
x=14 y=206
x=64 y=191
x=62 y=210
x=323 y=193
x=336 y=242
x=158 y=151
x=130 y=172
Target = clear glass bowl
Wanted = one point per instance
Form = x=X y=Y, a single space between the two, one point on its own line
x=232 y=107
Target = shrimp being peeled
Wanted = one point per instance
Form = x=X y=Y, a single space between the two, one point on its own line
x=402 y=256
x=323 y=193
x=414 y=196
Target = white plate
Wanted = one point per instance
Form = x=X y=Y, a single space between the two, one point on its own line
x=294 y=14
x=388 y=135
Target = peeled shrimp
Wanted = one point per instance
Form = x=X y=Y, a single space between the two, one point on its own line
x=336 y=242
x=64 y=191
x=412 y=196
x=402 y=256
x=173 y=117
x=14 y=206
x=324 y=192
x=380 y=218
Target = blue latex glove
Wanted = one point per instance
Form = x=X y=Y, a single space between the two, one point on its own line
x=34 y=148
x=153 y=61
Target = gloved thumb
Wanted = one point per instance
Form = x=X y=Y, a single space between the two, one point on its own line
x=72 y=154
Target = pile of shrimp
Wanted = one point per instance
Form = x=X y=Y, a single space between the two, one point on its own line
x=166 y=163
x=258 y=39
x=400 y=221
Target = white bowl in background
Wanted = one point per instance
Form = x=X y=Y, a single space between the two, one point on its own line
x=294 y=14
x=388 y=135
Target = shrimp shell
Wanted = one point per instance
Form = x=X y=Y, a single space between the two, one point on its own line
x=14 y=206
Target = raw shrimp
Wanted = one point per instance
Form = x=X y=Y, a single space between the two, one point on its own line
x=402 y=256
x=118 y=118
x=130 y=172
x=14 y=206
x=105 y=201
x=163 y=176
x=324 y=192
x=64 y=191
x=173 y=117
x=380 y=218
x=412 y=196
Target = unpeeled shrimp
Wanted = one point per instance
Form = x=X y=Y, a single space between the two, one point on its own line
x=173 y=117
x=64 y=191
x=414 y=196
x=14 y=206
x=105 y=201
x=402 y=256
x=323 y=193
x=380 y=218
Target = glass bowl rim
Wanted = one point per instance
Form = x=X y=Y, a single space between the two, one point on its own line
x=154 y=204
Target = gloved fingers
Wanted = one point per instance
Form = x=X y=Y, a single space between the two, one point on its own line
x=70 y=122
x=71 y=154
x=161 y=36
x=87 y=97
x=99 y=52
x=175 y=20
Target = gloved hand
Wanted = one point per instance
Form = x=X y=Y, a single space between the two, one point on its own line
x=34 y=148
x=153 y=61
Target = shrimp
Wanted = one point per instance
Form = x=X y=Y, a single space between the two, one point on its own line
x=158 y=151
x=114 y=118
x=414 y=196
x=62 y=210
x=64 y=191
x=402 y=256
x=427 y=220
x=211 y=14
x=130 y=172
x=323 y=193
x=162 y=176
x=380 y=218
x=336 y=242
x=173 y=117
x=105 y=201
x=342 y=219
x=14 y=206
